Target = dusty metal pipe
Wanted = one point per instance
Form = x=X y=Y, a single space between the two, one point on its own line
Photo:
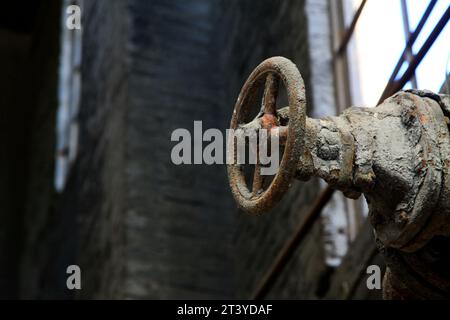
x=397 y=154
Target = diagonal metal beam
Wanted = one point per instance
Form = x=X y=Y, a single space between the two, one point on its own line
x=349 y=32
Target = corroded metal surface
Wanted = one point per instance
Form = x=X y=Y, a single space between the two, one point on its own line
x=269 y=73
x=396 y=154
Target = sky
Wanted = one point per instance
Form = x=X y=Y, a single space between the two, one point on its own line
x=379 y=40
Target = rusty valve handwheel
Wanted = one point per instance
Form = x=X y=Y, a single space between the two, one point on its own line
x=269 y=73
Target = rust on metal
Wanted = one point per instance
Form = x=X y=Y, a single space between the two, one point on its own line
x=269 y=73
x=396 y=154
x=269 y=121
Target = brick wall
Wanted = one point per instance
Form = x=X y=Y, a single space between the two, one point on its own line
x=179 y=218
x=183 y=236
x=139 y=226
x=84 y=224
x=97 y=185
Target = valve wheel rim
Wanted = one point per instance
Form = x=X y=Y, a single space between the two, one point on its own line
x=269 y=73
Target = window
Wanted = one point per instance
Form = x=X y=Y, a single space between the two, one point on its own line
x=68 y=100
x=380 y=42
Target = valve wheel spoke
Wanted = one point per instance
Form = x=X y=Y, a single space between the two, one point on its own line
x=282 y=133
x=287 y=125
x=258 y=179
x=271 y=93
